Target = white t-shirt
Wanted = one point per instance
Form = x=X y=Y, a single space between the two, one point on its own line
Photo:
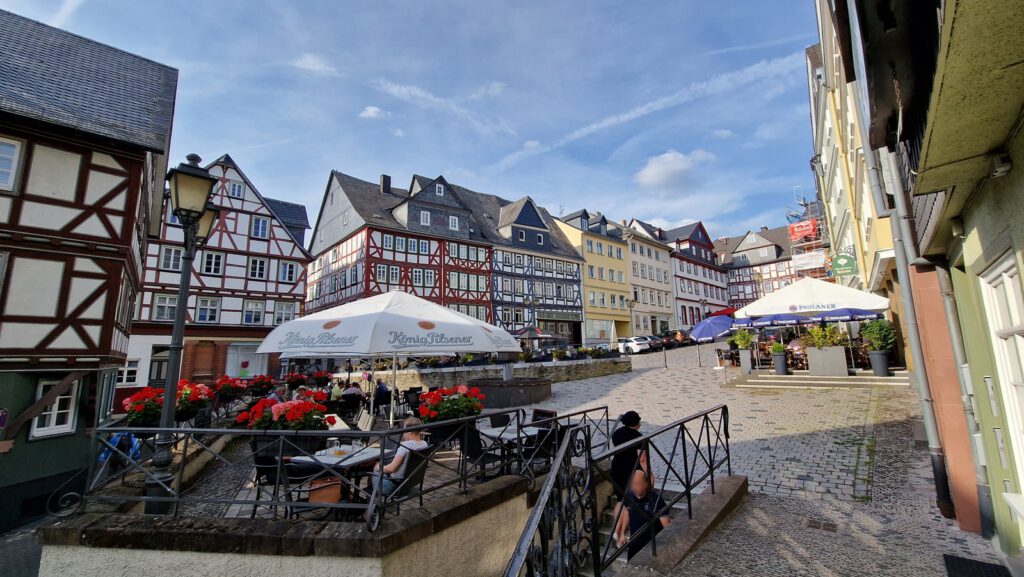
x=403 y=451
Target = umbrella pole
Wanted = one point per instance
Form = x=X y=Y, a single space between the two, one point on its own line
x=373 y=387
x=394 y=389
x=698 y=355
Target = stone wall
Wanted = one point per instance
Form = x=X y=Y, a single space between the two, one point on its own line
x=554 y=371
x=466 y=534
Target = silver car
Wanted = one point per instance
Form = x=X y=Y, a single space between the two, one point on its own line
x=633 y=345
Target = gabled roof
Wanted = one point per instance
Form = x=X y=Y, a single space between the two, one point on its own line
x=594 y=221
x=289 y=213
x=372 y=205
x=779 y=236
x=520 y=210
x=63 y=79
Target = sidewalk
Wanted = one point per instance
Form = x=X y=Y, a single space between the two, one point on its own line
x=19 y=554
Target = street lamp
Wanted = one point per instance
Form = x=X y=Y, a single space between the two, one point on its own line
x=704 y=309
x=191 y=188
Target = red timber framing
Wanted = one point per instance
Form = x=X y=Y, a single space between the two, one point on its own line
x=71 y=238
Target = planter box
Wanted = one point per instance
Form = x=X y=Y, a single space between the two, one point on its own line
x=827 y=362
x=746 y=361
x=880 y=363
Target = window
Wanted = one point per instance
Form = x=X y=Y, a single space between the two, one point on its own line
x=389 y=242
x=252 y=313
x=170 y=258
x=618 y=253
x=763 y=252
x=424 y=218
x=128 y=375
x=58 y=418
x=602 y=299
x=236 y=189
x=284 y=312
x=751 y=239
x=207 y=309
x=522 y=236
x=540 y=239
x=600 y=248
x=393 y=275
x=590 y=245
x=344 y=215
x=213 y=263
x=287 y=271
x=260 y=227
x=622 y=301
x=428 y=277
x=381 y=273
x=453 y=223
x=10 y=156
x=163 y=307
x=439 y=189
x=593 y=298
x=424 y=247
x=400 y=243
x=414 y=246
x=473 y=253
x=622 y=277
x=417 y=277
x=590 y=270
x=600 y=272
x=257 y=268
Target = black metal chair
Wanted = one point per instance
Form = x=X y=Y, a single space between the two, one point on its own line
x=412 y=401
x=500 y=420
x=542 y=415
x=350 y=405
x=416 y=472
x=478 y=455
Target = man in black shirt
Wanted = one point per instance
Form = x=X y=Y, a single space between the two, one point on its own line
x=643 y=515
x=625 y=462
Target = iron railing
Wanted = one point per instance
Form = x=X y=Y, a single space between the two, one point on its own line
x=563 y=534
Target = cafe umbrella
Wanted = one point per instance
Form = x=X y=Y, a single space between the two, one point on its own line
x=845 y=315
x=391 y=324
x=708 y=330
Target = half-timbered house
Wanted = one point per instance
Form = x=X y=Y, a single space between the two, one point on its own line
x=373 y=238
x=249 y=277
x=84 y=128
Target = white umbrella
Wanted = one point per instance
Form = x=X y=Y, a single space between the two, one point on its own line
x=395 y=323
x=810 y=295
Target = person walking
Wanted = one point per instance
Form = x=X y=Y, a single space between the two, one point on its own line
x=645 y=515
x=625 y=462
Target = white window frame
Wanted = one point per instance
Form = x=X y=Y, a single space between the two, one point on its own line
x=424 y=218
x=429 y=277
x=424 y=246
x=453 y=222
x=38 y=431
x=207 y=255
x=169 y=309
x=176 y=251
x=128 y=369
x=208 y=304
x=292 y=270
x=381 y=273
x=417 y=277
x=12 y=182
x=399 y=244
x=439 y=189
x=284 y=312
x=394 y=275
x=388 y=242
x=251 y=273
x=232 y=184
x=540 y=239
x=258 y=308
x=264 y=231
x=522 y=236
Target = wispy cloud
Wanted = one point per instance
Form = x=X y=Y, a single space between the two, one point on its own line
x=373 y=112
x=761 y=45
x=489 y=90
x=398 y=132
x=65 y=12
x=670 y=169
x=722 y=134
x=315 y=64
x=764 y=70
x=426 y=100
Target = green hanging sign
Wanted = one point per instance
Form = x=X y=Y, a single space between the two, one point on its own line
x=844 y=265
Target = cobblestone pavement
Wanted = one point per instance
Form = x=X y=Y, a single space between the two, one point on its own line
x=837 y=487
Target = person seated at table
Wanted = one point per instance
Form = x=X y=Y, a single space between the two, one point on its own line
x=300 y=393
x=338 y=390
x=641 y=506
x=382 y=389
x=394 y=472
x=279 y=394
x=353 y=388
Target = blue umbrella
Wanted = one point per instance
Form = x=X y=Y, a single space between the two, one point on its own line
x=710 y=329
x=781 y=319
x=846 y=315
x=744 y=323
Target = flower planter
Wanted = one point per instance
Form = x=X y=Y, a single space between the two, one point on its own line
x=290 y=446
x=183 y=415
x=827 y=362
x=879 y=363
x=779 y=360
x=746 y=361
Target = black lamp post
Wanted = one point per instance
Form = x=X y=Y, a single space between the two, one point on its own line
x=191 y=189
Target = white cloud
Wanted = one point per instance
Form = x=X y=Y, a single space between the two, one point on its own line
x=314 y=64
x=489 y=90
x=374 y=112
x=424 y=99
x=531 y=144
x=668 y=169
x=722 y=134
x=65 y=12
x=720 y=84
x=760 y=45
x=398 y=132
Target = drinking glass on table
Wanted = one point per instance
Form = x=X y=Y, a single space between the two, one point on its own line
x=333 y=447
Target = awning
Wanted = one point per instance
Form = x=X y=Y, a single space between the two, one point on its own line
x=810 y=295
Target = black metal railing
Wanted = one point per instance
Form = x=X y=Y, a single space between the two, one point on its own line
x=563 y=534
x=320 y=473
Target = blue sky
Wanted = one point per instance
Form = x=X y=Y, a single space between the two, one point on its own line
x=666 y=111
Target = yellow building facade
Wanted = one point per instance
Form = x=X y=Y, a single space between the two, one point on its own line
x=607 y=295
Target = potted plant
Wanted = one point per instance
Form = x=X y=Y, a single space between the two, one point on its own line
x=300 y=415
x=559 y=355
x=879 y=339
x=526 y=356
x=446 y=405
x=322 y=378
x=826 y=352
x=229 y=388
x=295 y=380
x=779 y=358
x=261 y=385
x=143 y=408
x=192 y=398
x=744 y=340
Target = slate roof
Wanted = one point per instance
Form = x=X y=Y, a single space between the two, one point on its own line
x=684 y=231
x=53 y=76
x=372 y=205
x=614 y=230
x=289 y=213
x=510 y=212
x=778 y=236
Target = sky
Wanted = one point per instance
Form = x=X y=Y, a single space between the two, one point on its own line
x=669 y=112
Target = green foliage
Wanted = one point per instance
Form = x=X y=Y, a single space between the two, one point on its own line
x=778 y=347
x=821 y=337
x=743 y=338
x=526 y=356
x=878 y=335
x=559 y=354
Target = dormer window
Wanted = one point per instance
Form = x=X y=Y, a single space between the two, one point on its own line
x=584 y=223
x=453 y=223
x=424 y=218
x=439 y=189
x=522 y=236
x=540 y=239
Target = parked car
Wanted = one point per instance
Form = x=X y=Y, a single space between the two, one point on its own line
x=655 y=342
x=678 y=336
x=633 y=345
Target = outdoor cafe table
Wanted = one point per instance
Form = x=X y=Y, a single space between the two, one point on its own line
x=510 y=433
x=352 y=460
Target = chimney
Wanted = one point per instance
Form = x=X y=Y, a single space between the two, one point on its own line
x=385 y=184
x=763 y=228
x=624 y=223
x=661 y=234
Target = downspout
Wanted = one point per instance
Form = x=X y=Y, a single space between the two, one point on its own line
x=938 y=461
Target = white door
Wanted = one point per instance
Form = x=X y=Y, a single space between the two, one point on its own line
x=243 y=362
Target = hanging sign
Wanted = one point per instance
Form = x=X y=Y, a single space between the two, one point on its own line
x=844 y=265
